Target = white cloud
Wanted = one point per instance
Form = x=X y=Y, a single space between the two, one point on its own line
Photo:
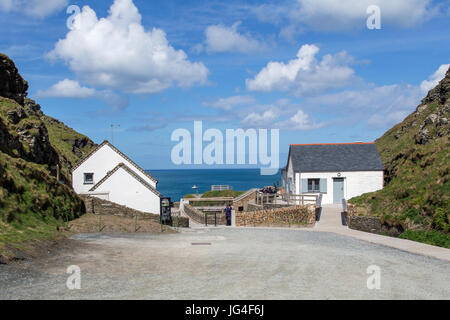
x=299 y=121
x=67 y=89
x=116 y=52
x=331 y=15
x=72 y=89
x=264 y=119
x=434 y=79
x=220 y=38
x=386 y=120
x=282 y=114
x=230 y=102
x=304 y=75
x=33 y=8
x=381 y=106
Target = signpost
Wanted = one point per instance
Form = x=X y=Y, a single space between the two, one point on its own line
x=166 y=211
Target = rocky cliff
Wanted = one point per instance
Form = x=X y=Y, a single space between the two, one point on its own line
x=416 y=155
x=33 y=146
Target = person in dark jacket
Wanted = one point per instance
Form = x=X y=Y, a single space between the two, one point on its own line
x=228 y=210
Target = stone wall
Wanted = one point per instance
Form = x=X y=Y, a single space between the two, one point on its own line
x=251 y=206
x=100 y=206
x=244 y=201
x=370 y=224
x=367 y=224
x=254 y=207
x=294 y=216
x=202 y=217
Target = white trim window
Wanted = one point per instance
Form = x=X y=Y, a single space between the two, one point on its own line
x=88 y=178
x=313 y=185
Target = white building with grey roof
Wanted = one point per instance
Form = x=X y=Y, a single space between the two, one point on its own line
x=108 y=174
x=337 y=171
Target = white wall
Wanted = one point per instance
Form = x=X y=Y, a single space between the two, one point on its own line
x=100 y=163
x=355 y=183
x=124 y=189
x=290 y=174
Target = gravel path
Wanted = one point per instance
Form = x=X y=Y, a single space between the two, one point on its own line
x=237 y=264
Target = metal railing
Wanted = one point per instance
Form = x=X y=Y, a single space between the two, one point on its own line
x=220 y=187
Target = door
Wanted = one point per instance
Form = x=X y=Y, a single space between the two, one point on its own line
x=338 y=190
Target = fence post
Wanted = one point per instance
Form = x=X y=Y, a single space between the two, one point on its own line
x=233 y=218
x=206 y=219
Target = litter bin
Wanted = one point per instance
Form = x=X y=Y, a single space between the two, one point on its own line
x=344 y=218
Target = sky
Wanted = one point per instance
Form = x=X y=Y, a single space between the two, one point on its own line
x=311 y=68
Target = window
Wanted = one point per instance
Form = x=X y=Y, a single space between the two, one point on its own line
x=88 y=178
x=313 y=185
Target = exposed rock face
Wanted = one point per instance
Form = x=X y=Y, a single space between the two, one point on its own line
x=79 y=144
x=35 y=134
x=25 y=129
x=12 y=85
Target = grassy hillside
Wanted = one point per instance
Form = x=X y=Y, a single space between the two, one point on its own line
x=33 y=203
x=416 y=156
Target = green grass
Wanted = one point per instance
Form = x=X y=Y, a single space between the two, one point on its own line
x=224 y=193
x=32 y=203
x=432 y=237
x=59 y=134
x=417 y=194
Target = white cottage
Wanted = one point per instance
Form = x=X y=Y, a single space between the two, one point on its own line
x=108 y=174
x=337 y=171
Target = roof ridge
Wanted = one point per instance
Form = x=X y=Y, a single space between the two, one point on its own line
x=106 y=142
x=131 y=172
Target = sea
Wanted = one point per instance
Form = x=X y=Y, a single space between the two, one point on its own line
x=177 y=183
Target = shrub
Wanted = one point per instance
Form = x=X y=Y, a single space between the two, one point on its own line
x=440 y=221
x=432 y=237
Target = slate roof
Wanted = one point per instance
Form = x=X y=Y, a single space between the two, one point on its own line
x=335 y=157
x=106 y=142
x=131 y=172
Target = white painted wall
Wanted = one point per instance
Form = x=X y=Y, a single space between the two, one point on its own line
x=100 y=163
x=355 y=183
x=290 y=175
x=134 y=195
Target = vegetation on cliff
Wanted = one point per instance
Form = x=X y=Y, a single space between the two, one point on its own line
x=416 y=156
x=33 y=203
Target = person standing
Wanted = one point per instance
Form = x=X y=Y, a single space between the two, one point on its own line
x=228 y=210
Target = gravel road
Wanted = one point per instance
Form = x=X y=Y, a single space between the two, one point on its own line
x=220 y=263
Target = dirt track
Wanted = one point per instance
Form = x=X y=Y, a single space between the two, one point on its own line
x=227 y=264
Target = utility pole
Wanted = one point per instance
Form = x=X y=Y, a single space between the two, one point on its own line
x=112 y=131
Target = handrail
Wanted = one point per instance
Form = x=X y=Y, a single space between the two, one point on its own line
x=246 y=194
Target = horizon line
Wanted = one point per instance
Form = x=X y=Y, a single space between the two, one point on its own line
x=330 y=144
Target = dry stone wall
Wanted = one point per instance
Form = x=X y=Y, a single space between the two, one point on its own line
x=100 y=206
x=294 y=216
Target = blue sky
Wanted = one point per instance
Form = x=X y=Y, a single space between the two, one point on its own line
x=310 y=68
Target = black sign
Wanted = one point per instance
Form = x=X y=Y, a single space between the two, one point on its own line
x=166 y=211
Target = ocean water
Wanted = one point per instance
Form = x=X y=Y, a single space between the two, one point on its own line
x=177 y=183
